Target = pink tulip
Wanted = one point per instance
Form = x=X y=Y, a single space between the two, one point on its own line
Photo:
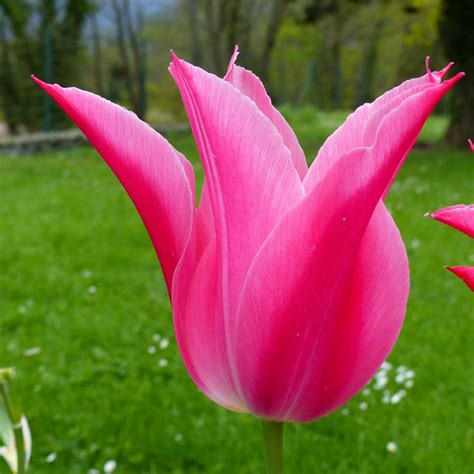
x=288 y=285
x=461 y=217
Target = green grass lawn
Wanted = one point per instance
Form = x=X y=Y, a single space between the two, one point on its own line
x=80 y=282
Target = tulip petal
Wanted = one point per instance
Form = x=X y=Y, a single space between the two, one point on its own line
x=315 y=247
x=201 y=330
x=158 y=179
x=250 y=85
x=368 y=325
x=349 y=136
x=248 y=172
x=461 y=217
x=466 y=274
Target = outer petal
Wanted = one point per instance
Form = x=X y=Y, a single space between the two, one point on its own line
x=367 y=326
x=358 y=129
x=465 y=273
x=158 y=179
x=315 y=247
x=461 y=217
x=202 y=332
x=249 y=173
x=250 y=85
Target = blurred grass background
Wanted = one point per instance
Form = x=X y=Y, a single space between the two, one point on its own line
x=85 y=313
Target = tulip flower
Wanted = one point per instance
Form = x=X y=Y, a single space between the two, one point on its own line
x=461 y=217
x=288 y=285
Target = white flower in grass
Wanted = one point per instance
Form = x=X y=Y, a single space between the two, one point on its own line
x=345 y=411
x=363 y=406
x=92 y=290
x=381 y=381
x=400 y=378
x=409 y=374
x=156 y=337
x=110 y=466
x=86 y=273
x=178 y=437
x=151 y=350
x=392 y=447
x=32 y=351
x=162 y=362
x=396 y=397
x=409 y=384
x=51 y=457
x=164 y=343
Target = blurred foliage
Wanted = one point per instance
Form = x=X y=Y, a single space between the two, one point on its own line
x=457 y=27
x=332 y=54
x=42 y=37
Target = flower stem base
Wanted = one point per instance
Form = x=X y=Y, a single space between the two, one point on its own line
x=273 y=443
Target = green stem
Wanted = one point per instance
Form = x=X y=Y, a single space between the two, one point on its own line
x=273 y=442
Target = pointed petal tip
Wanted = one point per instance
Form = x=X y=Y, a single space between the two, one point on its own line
x=471 y=144
x=466 y=274
x=175 y=62
x=36 y=79
x=454 y=80
x=446 y=69
x=428 y=70
x=175 y=59
x=232 y=60
x=437 y=76
x=44 y=85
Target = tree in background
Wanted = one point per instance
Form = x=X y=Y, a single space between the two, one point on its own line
x=217 y=25
x=457 y=33
x=41 y=37
x=132 y=53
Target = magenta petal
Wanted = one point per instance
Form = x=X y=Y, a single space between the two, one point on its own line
x=358 y=129
x=364 y=331
x=466 y=274
x=461 y=217
x=158 y=179
x=250 y=85
x=249 y=173
x=316 y=247
x=202 y=332
x=248 y=169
